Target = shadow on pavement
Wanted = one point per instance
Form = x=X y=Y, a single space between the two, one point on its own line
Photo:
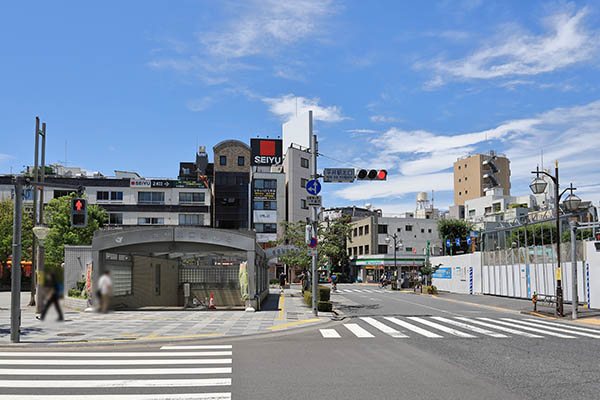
x=271 y=303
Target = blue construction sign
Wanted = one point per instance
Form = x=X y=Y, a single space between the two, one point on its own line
x=457 y=241
x=448 y=244
x=468 y=239
x=313 y=187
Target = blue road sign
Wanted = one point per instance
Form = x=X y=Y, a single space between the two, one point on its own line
x=448 y=244
x=458 y=241
x=468 y=239
x=313 y=187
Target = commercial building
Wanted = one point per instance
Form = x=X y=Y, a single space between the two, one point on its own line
x=296 y=165
x=475 y=173
x=495 y=206
x=231 y=181
x=355 y=213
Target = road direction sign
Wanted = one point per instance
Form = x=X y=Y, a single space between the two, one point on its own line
x=312 y=243
x=448 y=244
x=457 y=241
x=338 y=175
x=314 y=201
x=313 y=187
x=468 y=239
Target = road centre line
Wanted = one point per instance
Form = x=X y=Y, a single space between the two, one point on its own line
x=115 y=383
x=154 y=396
x=116 y=371
x=112 y=354
x=162 y=361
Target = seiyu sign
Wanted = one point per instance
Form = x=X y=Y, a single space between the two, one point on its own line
x=265 y=151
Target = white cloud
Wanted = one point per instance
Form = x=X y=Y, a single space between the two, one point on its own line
x=566 y=42
x=267 y=24
x=384 y=119
x=288 y=105
x=361 y=131
x=197 y=105
x=5 y=157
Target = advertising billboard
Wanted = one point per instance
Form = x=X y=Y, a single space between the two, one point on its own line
x=264 y=194
x=265 y=151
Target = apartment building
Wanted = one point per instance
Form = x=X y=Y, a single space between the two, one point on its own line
x=475 y=173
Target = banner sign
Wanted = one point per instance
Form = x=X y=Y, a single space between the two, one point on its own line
x=265 y=151
x=264 y=194
x=443 y=273
x=139 y=183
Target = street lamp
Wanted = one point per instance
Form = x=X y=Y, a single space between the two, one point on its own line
x=397 y=245
x=572 y=202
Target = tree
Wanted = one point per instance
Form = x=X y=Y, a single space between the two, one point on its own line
x=293 y=234
x=58 y=217
x=6 y=232
x=334 y=236
x=451 y=229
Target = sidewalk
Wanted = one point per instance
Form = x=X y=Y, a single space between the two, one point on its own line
x=279 y=313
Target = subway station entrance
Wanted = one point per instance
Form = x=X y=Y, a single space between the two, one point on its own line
x=155 y=266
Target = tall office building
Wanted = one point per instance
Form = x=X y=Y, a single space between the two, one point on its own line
x=473 y=174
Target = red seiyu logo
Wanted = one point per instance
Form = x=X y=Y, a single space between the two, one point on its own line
x=267 y=148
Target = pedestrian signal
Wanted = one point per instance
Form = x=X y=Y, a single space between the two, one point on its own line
x=78 y=212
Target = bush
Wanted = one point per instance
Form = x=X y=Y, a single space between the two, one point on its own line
x=308 y=298
x=74 y=293
x=324 y=306
x=430 y=289
x=274 y=281
x=81 y=284
x=324 y=293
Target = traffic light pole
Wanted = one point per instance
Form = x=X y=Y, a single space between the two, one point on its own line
x=40 y=221
x=15 y=291
x=314 y=175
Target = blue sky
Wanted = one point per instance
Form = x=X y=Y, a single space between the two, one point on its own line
x=409 y=87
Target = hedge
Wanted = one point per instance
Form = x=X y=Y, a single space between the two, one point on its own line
x=324 y=306
x=323 y=303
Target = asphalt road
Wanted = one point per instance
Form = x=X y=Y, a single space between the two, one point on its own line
x=390 y=345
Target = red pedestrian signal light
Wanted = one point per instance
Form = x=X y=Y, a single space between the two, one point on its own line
x=371 y=175
x=78 y=212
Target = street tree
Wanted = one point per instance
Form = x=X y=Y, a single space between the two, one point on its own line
x=334 y=236
x=6 y=232
x=293 y=234
x=58 y=218
x=452 y=229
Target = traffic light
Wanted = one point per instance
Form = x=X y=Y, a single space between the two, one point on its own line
x=371 y=175
x=78 y=212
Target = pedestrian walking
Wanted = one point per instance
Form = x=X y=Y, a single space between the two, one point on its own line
x=105 y=291
x=53 y=288
x=282 y=278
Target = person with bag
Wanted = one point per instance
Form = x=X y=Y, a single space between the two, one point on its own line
x=54 y=289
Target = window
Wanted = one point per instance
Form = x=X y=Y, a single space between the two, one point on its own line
x=367 y=249
x=355 y=251
x=265 y=205
x=61 y=193
x=303 y=182
x=360 y=231
x=366 y=229
x=459 y=180
x=488 y=210
x=466 y=192
x=150 y=221
x=460 y=193
x=241 y=161
x=408 y=228
x=157 y=280
x=116 y=196
x=191 y=197
x=399 y=230
x=185 y=171
x=382 y=249
x=381 y=228
x=191 y=219
x=360 y=250
x=223 y=160
x=265 y=184
x=100 y=196
x=304 y=162
x=471 y=213
x=265 y=228
x=465 y=165
x=497 y=207
x=151 y=197
x=355 y=232
x=459 y=167
x=465 y=178
x=229 y=201
x=428 y=230
x=409 y=249
x=115 y=219
x=303 y=204
x=422 y=230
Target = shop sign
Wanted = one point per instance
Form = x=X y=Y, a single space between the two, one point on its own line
x=269 y=194
x=265 y=151
x=139 y=183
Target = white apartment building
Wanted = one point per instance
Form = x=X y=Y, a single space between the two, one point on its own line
x=495 y=206
x=296 y=164
x=268 y=202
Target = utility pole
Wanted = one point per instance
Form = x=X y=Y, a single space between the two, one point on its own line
x=574 y=297
x=15 y=291
x=40 y=221
x=33 y=298
x=314 y=175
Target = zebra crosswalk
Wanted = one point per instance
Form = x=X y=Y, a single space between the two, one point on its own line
x=438 y=327
x=202 y=371
x=341 y=290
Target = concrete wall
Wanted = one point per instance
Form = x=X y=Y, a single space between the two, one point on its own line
x=76 y=261
x=590 y=276
x=458 y=274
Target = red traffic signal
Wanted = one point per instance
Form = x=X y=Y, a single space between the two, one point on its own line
x=371 y=175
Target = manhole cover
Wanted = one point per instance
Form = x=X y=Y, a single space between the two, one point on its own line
x=70 y=334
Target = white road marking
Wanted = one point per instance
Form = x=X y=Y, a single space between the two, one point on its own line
x=116 y=371
x=329 y=333
x=383 y=328
x=577 y=328
x=553 y=328
x=111 y=354
x=413 y=328
x=199 y=347
x=526 y=328
x=500 y=328
x=162 y=361
x=470 y=327
x=442 y=328
x=358 y=331
x=171 y=396
x=115 y=383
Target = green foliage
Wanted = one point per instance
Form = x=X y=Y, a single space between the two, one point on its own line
x=431 y=289
x=56 y=269
x=274 y=281
x=6 y=232
x=78 y=294
x=324 y=293
x=450 y=229
x=294 y=235
x=582 y=234
x=58 y=217
x=334 y=236
x=324 y=306
x=81 y=284
x=537 y=233
x=308 y=298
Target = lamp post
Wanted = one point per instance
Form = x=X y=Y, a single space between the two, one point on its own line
x=397 y=245
x=572 y=202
